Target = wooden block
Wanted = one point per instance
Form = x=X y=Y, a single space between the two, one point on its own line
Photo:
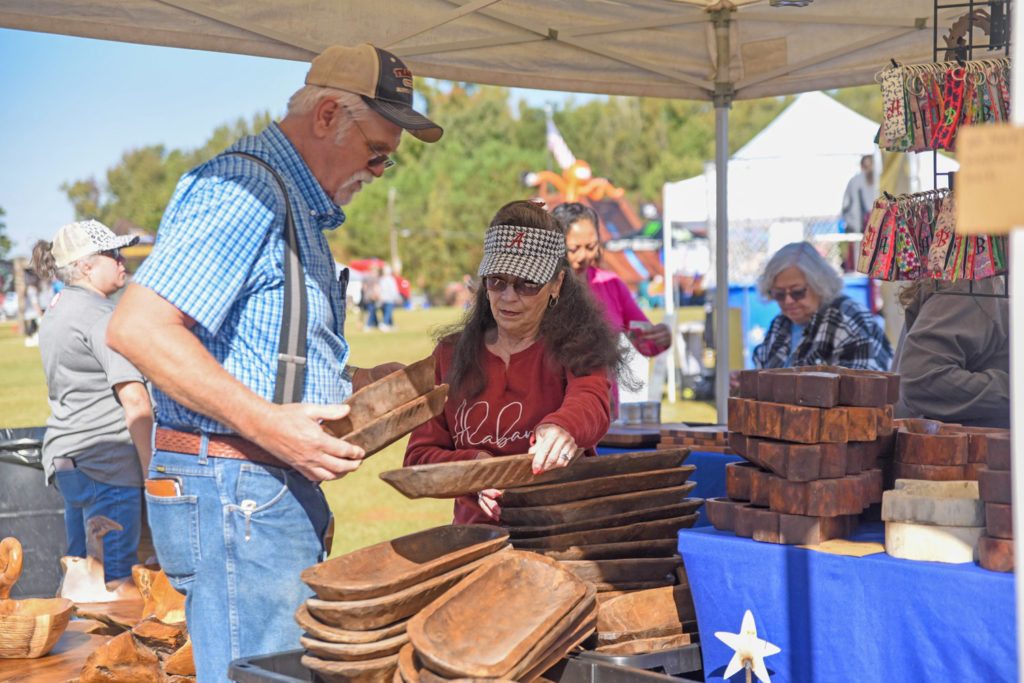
x=737 y=480
x=738 y=443
x=722 y=512
x=805 y=462
x=753 y=453
x=748 y=383
x=766 y=525
x=835 y=425
x=760 y=487
x=817 y=389
x=737 y=414
x=863 y=389
x=931 y=449
x=765 y=384
x=972 y=469
x=995 y=554
x=820 y=498
x=744 y=521
x=905 y=470
x=994 y=486
x=997 y=455
x=886 y=421
x=999 y=520
x=804 y=530
x=948 y=503
x=862 y=455
x=862 y=423
x=765 y=419
x=874 y=483
x=952 y=544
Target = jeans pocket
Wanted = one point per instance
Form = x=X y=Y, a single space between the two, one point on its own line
x=174 y=522
x=271 y=505
x=76 y=488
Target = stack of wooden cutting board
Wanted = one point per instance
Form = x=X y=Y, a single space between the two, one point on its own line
x=709 y=439
x=815 y=440
x=512 y=619
x=995 y=547
x=357 y=623
x=937 y=521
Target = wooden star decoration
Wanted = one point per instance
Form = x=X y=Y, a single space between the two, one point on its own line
x=749 y=650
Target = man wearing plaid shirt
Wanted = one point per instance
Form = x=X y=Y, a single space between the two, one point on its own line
x=233 y=492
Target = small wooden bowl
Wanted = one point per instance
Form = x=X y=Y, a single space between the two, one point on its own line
x=30 y=628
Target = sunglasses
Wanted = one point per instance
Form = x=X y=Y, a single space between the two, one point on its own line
x=112 y=253
x=380 y=159
x=794 y=294
x=522 y=287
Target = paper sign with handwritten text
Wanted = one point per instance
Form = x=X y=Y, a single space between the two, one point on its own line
x=991 y=179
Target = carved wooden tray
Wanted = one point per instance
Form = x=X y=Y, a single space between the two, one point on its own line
x=384 y=395
x=353 y=652
x=618 y=571
x=450 y=479
x=491 y=620
x=646 y=645
x=554 y=494
x=684 y=507
x=645 y=614
x=573 y=629
x=640 y=531
x=333 y=634
x=665 y=547
x=395 y=424
x=604 y=506
x=355 y=615
x=390 y=566
x=364 y=671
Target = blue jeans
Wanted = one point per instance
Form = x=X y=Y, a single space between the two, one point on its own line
x=235 y=543
x=85 y=498
x=386 y=311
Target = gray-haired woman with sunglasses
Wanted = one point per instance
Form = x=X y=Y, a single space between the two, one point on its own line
x=818 y=325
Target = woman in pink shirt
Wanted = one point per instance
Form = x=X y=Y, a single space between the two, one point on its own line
x=527 y=367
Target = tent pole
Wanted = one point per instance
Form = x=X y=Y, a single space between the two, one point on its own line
x=670 y=298
x=723 y=98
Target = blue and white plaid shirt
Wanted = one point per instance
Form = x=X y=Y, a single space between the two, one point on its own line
x=219 y=258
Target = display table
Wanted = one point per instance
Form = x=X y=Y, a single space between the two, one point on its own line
x=838 y=618
x=709 y=476
x=65 y=660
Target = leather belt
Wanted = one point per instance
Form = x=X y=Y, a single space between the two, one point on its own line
x=231 y=447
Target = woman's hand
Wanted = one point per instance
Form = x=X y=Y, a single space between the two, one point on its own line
x=552 y=447
x=488 y=502
x=659 y=335
x=734 y=381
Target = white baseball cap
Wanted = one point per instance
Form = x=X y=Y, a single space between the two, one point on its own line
x=84 y=238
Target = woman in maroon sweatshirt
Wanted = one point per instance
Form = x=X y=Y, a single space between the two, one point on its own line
x=529 y=365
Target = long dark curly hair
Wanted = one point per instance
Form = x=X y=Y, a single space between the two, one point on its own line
x=574 y=332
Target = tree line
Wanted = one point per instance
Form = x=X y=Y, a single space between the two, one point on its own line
x=446 y=193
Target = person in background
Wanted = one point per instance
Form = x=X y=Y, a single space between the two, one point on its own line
x=389 y=296
x=527 y=367
x=371 y=297
x=817 y=324
x=233 y=493
x=97 y=442
x=579 y=224
x=953 y=355
x=858 y=199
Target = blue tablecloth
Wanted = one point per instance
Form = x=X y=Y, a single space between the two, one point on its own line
x=709 y=476
x=837 y=618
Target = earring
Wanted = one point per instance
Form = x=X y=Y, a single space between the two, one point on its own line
x=552 y=301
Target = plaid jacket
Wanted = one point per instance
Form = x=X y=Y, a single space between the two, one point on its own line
x=842 y=333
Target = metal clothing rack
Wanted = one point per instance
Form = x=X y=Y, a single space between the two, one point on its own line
x=998 y=20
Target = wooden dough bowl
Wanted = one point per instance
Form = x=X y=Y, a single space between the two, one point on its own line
x=28 y=628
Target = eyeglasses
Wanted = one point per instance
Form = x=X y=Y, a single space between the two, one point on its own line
x=112 y=253
x=794 y=294
x=380 y=159
x=521 y=287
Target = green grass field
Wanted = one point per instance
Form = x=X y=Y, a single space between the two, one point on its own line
x=366 y=509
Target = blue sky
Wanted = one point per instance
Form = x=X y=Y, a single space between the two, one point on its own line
x=70 y=107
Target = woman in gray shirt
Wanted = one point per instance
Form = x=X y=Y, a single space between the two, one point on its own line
x=97 y=442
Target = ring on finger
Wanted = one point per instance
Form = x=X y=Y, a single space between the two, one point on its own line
x=564 y=455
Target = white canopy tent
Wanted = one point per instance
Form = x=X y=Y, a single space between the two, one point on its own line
x=715 y=50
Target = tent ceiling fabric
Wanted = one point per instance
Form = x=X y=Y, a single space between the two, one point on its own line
x=654 y=48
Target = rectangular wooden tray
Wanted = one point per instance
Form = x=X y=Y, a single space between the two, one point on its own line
x=617 y=571
x=451 y=479
x=575 y=511
x=685 y=507
x=564 y=492
x=393 y=425
x=381 y=397
x=388 y=567
x=491 y=620
x=664 y=547
x=645 y=614
x=640 y=531
x=373 y=613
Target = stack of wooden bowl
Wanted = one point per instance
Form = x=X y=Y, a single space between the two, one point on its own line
x=356 y=624
x=612 y=519
x=995 y=547
x=512 y=619
x=646 y=621
x=813 y=438
x=939 y=451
